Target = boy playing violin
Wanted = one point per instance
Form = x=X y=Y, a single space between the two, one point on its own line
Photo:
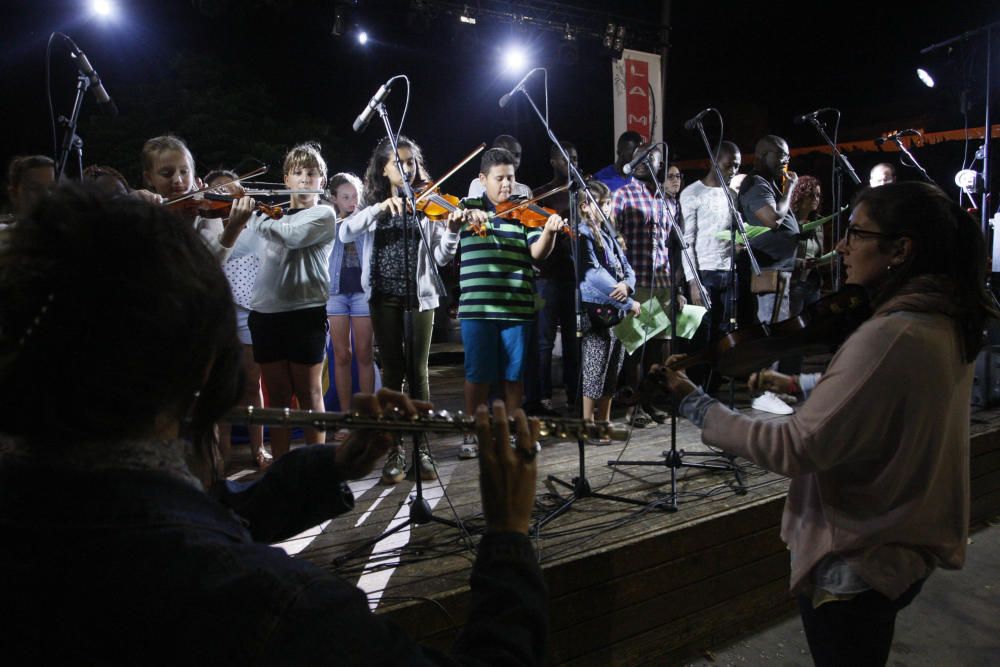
x=497 y=303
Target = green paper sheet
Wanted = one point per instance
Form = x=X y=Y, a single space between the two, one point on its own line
x=635 y=330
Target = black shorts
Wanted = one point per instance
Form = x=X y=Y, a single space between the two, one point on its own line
x=298 y=336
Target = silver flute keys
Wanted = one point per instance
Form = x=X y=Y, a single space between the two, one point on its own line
x=439 y=421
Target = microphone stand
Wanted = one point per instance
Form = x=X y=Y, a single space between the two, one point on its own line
x=737 y=226
x=420 y=509
x=840 y=164
x=896 y=139
x=71 y=140
x=674 y=458
x=579 y=486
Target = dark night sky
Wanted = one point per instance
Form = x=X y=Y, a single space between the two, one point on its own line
x=760 y=64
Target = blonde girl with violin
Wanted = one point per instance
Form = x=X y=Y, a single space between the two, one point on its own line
x=241 y=269
x=347 y=305
x=288 y=308
x=168 y=172
x=387 y=254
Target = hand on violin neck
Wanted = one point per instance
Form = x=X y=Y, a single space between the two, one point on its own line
x=675 y=381
x=147 y=196
x=768 y=380
x=554 y=224
x=455 y=220
x=239 y=215
x=393 y=205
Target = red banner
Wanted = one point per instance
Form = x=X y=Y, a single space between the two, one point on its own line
x=637 y=107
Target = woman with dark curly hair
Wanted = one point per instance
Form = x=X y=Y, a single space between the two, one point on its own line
x=389 y=251
x=807 y=197
x=879 y=453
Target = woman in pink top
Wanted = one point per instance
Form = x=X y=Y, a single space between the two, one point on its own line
x=879 y=453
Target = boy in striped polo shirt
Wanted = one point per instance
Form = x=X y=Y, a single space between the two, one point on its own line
x=497 y=303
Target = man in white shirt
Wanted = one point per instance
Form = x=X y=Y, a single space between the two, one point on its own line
x=476 y=189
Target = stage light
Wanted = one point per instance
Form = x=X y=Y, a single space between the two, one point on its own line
x=515 y=60
x=362 y=37
x=925 y=77
x=467 y=16
x=102 y=8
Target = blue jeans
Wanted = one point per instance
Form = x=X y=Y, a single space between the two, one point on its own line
x=559 y=311
x=717 y=285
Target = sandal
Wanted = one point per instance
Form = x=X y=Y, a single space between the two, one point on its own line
x=640 y=419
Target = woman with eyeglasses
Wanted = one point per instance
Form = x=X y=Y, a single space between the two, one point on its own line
x=878 y=454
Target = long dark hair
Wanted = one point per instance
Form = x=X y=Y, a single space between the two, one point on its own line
x=947 y=242
x=377 y=186
x=113 y=313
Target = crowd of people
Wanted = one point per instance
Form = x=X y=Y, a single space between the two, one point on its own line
x=169 y=315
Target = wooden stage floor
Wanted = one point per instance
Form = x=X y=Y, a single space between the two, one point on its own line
x=628 y=583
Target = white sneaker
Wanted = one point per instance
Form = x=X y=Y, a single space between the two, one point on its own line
x=769 y=402
x=469 y=448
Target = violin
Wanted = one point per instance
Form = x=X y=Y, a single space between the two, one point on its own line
x=213 y=205
x=530 y=214
x=210 y=204
x=437 y=206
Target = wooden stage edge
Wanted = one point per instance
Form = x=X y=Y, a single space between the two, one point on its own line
x=627 y=585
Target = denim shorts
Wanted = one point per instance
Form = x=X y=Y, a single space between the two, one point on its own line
x=354 y=304
x=494 y=349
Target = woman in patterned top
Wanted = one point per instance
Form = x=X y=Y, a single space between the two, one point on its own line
x=400 y=265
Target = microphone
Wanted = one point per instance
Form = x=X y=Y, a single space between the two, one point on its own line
x=638 y=158
x=893 y=136
x=86 y=69
x=361 y=122
x=506 y=98
x=692 y=123
x=806 y=117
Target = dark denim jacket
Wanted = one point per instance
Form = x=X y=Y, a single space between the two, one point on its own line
x=138 y=567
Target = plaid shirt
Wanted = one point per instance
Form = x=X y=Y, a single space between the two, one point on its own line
x=638 y=215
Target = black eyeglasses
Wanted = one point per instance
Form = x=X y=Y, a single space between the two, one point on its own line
x=854 y=233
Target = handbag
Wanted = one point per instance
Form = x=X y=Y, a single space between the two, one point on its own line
x=765 y=283
x=603 y=316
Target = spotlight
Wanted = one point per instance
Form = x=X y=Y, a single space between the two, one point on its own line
x=925 y=77
x=467 y=16
x=515 y=60
x=362 y=37
x=102 y=8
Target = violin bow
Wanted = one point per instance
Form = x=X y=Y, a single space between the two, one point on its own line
x=436 y=184
x=250 y=174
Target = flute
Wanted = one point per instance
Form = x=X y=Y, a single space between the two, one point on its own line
x=439 y=421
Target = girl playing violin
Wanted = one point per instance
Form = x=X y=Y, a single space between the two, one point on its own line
x=287 y=317
x=879 y=452
x=241 y=269
x=347 y=305
x=168 y=170
x=606 y=281
x=386 y=258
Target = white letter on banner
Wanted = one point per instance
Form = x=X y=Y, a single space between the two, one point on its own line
x=641 y=120
x=637 y=90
